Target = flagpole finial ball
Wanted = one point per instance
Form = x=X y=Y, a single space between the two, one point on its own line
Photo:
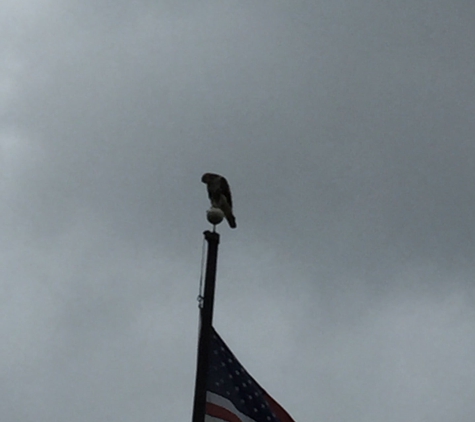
x=214 y=216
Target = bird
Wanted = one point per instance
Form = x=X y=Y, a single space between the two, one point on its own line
x=220 y=195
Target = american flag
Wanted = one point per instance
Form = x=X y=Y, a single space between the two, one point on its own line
x=232 y=394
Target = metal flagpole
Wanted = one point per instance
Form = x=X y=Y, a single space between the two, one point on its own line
x=206 y=321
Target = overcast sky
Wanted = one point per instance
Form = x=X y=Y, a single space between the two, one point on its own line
x=346 y=131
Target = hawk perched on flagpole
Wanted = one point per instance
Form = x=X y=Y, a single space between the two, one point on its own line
x=220 y=195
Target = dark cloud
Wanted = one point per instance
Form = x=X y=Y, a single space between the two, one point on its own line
x=345 y=130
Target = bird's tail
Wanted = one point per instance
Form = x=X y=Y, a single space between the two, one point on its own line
x=228 y=213
x=231 y=220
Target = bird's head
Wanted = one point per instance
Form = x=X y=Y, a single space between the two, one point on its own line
x=208 y=177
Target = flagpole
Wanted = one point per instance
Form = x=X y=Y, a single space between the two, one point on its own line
x=206 y=322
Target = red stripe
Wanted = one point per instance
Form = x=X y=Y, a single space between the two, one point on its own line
x=281 y=414
x=221 y=413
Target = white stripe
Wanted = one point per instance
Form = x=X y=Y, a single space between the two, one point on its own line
x=221 y=401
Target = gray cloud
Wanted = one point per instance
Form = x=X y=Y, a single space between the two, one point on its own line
x=345 y=130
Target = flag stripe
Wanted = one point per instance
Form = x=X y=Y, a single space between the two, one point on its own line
x=220 y=402
x=209 y=418
x=221 y=413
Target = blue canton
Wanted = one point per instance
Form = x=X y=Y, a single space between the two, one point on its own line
x=228 y=379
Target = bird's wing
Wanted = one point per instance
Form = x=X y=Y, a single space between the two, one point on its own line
x=224 y=186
